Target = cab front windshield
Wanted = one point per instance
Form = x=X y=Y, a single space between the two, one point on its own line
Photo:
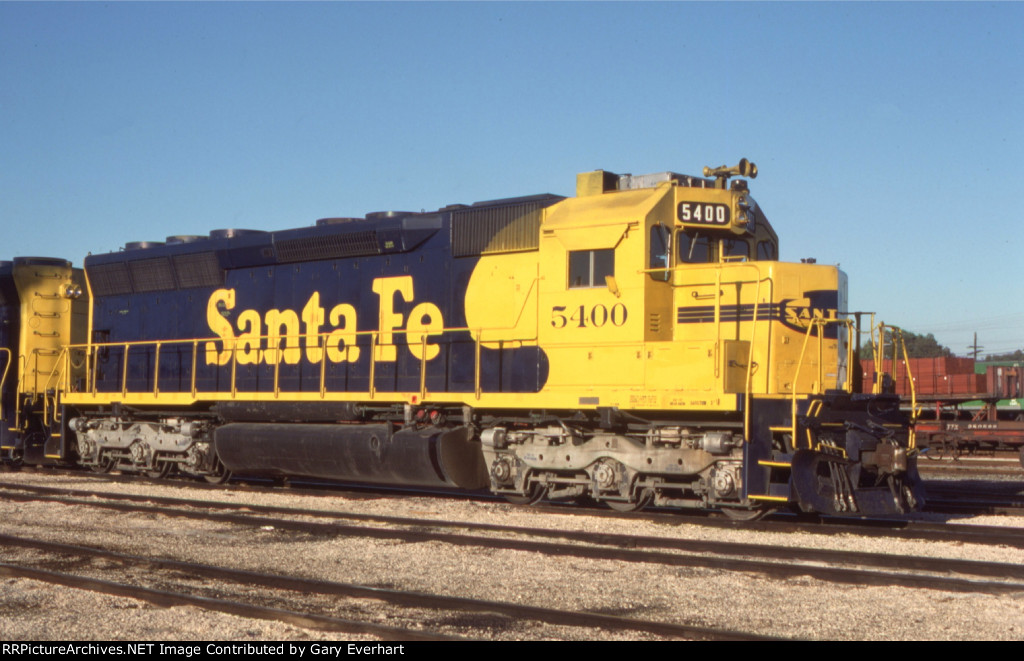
x=695 y=247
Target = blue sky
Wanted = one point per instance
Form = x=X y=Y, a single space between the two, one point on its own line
x=888 y=135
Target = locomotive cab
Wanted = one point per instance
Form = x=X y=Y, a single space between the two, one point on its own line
x=650 y=270
x=712 y=366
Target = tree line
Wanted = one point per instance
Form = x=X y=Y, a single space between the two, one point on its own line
x=926 y=346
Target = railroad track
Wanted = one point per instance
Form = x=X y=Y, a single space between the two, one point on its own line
x=952 y=498
x=51 y=553
x=973 y=493
x=902 y=528
x=166 y=571
x=773 y=560
x=309 y=529
x=177 y=578
x=782 y=562
x=948 y=466
x=943 y=498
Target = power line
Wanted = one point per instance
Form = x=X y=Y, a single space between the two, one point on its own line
x=1012 y=321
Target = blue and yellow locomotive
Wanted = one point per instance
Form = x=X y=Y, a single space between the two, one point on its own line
x=638 y=343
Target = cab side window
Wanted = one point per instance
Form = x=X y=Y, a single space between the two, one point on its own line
x=766 y=251
x=661 y=252
x=588 y=268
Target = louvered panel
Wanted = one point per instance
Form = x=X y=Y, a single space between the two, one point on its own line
x=109 y=279
x=496 y=229
x=354 y=244
x=151 y=274
x=198 y=270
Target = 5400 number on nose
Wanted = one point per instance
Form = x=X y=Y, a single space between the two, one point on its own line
x=595 y=316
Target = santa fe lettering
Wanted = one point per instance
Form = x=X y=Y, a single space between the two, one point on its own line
x=317 y=333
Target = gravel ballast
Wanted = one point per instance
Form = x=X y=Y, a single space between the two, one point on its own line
x=800 y=607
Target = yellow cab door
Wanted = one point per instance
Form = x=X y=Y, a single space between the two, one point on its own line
x=593 y=288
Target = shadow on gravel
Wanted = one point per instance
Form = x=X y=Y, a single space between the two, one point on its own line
x=978 y=485
x=487 y=621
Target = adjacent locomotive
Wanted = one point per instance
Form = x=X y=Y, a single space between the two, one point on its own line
x=638 y=343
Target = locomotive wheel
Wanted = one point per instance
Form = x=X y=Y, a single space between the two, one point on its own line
x=537 y=493
x=755 y=514
x=105 y=466
x=219 y=475
x=13 y=461
x=646 y=498
x=162 y=470
x=219 y=478
x=936 y=448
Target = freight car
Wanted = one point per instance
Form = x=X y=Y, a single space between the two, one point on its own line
x=638 y=343
x=966 y=406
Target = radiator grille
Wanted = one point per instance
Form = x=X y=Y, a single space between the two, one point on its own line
x=496 y=229
x=198 y=270
x=151 y=274
x=354 y=244
x=109 y=279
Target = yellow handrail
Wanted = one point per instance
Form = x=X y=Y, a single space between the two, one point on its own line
x=373 y=365
x=749 y=379
x=92 y=350
x=476 y=369
x=911 y=434
x=156 y=372
x=124 y=372
x=423 y=367
x=323 y=373
x=3 y=380
x=748 y=383
x=899 y=344
x=817 y=387
x=195 y=354
x=56 y=375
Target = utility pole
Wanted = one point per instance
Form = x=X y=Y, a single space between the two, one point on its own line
x=976 y=349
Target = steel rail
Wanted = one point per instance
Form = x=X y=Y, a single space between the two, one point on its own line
x=392 y=596
x=168 y=599
x=778 y=523
x=723 y=555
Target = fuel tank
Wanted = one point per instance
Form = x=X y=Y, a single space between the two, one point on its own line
x=372 y=453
